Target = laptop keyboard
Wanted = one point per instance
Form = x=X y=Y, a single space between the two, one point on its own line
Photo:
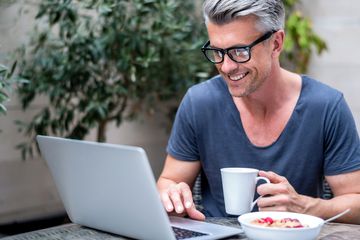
x=181 y=233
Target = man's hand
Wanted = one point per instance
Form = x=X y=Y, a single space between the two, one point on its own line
x=177 y=198
x=173 y=186
x=279 y=195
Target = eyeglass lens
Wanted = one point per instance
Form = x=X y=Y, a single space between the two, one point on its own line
x=236 y=54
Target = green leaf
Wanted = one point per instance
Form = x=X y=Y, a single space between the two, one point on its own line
x=3 y=96
x=3 y=69
x=13 y=67
x=104 y=9
x=2 y=109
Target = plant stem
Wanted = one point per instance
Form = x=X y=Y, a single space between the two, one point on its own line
x=101 y=134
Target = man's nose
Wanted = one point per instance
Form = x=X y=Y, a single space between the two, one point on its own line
x=228 y=65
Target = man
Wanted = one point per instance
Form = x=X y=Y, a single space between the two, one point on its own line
x=257 y=114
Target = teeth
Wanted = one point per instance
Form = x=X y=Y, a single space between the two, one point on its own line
x=238 y=77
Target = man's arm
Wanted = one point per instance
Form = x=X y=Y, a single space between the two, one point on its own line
x=283 y=197
x=174 y=187
x=346 y=190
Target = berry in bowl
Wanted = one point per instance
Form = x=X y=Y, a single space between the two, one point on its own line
x=280 y=225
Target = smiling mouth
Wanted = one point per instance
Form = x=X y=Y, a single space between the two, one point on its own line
x=238 y=77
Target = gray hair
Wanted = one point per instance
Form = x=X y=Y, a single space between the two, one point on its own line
x=270 y=13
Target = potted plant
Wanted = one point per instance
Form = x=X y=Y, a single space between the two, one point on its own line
x=105 y=61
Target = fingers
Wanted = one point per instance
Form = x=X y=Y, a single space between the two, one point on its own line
x=186 y=195
x=195 y=214
x=266 y=203
x=279 y=195
x=273 y=177
x=181 y=197
x=178 y=199
x=284 y=202
x=167 y=202
x=175 y=193
x=278 y=185
x=274 y=189
x=273 y=200
x=276 y=208
x=172 y=200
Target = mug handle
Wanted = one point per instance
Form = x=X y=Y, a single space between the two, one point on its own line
x=254 y=202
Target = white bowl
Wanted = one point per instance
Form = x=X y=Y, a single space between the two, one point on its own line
x=257 y=232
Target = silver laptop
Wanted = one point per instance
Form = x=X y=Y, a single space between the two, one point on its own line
x=112 y=188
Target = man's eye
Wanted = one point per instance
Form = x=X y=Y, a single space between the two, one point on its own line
x=241 y=52
x=218 y=54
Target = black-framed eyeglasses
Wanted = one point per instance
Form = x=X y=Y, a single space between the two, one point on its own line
x=240 y=54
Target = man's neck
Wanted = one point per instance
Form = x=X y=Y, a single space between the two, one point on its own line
x=277 y=90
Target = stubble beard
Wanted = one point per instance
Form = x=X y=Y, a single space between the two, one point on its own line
x=254 y=85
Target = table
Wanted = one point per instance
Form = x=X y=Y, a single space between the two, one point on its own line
x=330 y=231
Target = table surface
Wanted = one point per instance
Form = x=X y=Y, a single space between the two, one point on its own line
x=330 y=231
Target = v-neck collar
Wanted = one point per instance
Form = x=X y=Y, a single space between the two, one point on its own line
x=232 y=109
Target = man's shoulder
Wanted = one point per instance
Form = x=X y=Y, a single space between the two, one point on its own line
x=318 y=91
x=208 y=89
x=213 y=82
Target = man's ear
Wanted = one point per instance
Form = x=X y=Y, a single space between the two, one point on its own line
x=279 y=38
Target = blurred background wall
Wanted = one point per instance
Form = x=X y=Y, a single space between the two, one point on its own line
x=26 y=188
x=338 y=22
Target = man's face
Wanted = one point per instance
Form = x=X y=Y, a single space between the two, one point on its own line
x=242 y=78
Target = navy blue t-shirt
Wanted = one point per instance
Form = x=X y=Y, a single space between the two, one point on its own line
x=319 y=139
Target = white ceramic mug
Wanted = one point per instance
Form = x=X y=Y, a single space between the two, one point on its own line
x=239 y=189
